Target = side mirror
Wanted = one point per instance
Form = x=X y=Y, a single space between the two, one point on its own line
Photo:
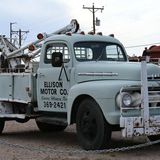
x=57 y=59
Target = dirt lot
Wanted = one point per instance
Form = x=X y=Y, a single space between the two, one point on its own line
x=25 y=142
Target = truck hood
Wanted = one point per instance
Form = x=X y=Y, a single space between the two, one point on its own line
x=88 y=71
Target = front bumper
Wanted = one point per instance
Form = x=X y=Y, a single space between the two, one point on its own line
x=135 y=126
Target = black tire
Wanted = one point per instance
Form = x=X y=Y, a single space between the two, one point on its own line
x=45 y=127
x=93 y=131
x=2 y=123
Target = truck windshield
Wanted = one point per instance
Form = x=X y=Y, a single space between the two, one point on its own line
x=98 y=51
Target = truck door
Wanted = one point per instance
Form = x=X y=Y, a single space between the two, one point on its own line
x=53 y=82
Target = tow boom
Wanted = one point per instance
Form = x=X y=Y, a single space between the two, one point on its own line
x=14 y=55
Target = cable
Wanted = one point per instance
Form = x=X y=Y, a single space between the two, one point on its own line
x=143 y=45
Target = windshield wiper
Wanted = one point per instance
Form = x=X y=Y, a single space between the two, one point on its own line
x=100 y=56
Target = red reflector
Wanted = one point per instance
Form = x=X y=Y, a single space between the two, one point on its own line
x=82 y=32
x=91 y=33
x=40 y=36
x=31 y=47
x=68 y=33
x=111 y=35
x=99 y=33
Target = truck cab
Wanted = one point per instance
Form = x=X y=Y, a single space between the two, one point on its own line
x=85 y=58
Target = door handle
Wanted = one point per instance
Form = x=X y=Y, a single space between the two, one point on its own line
x=41 y=75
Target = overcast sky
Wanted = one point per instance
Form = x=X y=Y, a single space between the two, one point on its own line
x=133 y=22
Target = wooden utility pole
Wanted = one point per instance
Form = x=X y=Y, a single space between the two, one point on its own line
x=94 y=9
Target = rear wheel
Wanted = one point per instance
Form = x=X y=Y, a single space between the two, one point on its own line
x=2 y=123
x=45 y=127
x=92 y=130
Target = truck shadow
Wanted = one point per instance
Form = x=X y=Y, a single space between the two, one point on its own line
x=32 y=136
x=67 y=139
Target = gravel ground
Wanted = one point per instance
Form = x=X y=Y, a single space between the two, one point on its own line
x=25 y=142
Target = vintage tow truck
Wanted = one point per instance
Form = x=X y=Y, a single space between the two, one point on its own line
x=79 y=78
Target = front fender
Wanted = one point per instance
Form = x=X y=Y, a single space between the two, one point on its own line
x=103 y=92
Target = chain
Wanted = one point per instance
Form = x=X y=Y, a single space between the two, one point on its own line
x=52 y=150
x=122 y=149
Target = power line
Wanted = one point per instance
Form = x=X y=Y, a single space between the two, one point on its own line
x=143 y=45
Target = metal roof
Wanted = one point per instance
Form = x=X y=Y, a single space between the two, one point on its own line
x=78 y=37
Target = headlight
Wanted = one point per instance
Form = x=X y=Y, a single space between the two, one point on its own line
x=126 y=99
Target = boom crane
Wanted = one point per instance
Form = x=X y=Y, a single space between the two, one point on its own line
x=28 y=52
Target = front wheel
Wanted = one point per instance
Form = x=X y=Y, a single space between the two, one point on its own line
x=2 y=123
x=45 y=127
x=93 y=131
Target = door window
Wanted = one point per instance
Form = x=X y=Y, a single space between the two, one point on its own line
x=57 y=47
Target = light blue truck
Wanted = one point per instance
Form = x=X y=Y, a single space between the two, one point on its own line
x=87 y=80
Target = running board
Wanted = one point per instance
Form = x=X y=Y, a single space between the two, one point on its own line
x=53 y=120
